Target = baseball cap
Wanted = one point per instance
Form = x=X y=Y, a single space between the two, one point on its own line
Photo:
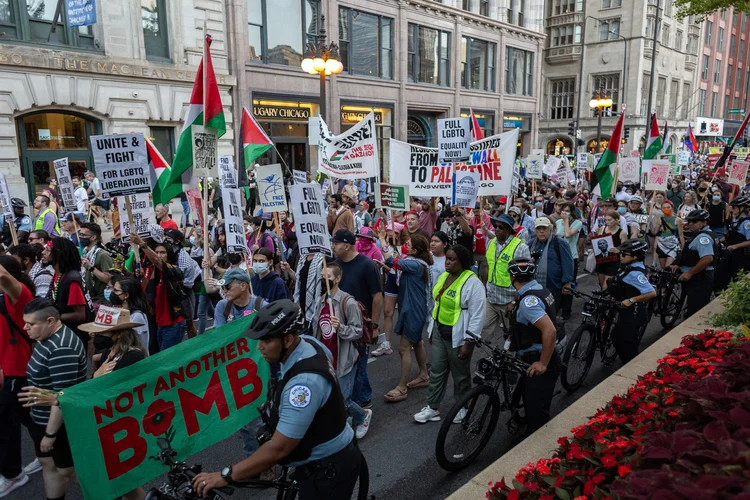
x=514 y=209
x=344 y=236
x=366 y=232
x=69 y=217
x=233 y=274
x=542 y=222
x=175 y=234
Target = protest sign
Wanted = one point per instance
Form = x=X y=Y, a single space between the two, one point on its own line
x=418 y=167
x=674 y=167
x=454 y=135
x=234 y=226
x=581 y=160
x=630 y=169
x=65 y=184
x=465 y=189
x=300 y=176
x=351 y=155
x=738 y=172
x=552 y=165
x=597 y=157
x=196 y=204
x=5 y=200
x=712 y=159
x=326 y=186
x=714 y=151
x=271 y=188
x=602 y=246
x=534 y=164
x=227 y=175
x=205 y=150
x=81 y=12
x=310 y=219
x=684 y=157
x=635 y=153
x=658 y=174
x=140 y=205
x=391 y=196
x=516 y=179
x=121 y=164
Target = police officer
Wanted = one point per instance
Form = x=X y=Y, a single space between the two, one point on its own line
x=21 y=221
x=533 y=336
x=738 y=236
x=630 y=286
x=696 y=262
x=305 y=414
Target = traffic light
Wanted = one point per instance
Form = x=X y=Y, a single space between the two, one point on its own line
x=625 y=135
x=572 y=129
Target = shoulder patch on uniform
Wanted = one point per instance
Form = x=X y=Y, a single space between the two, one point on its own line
x=531 y=301
x=642 y=279
x=705 y=240
x=299 y=396
x=26 y=220
x=746 y=224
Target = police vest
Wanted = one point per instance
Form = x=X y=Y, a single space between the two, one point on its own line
x=6 y=234
x=617 y=287
x=448 y=308
x=499 y=269
x=691 y=257
x=39 y=225
x=524 y=336
x=734 y=236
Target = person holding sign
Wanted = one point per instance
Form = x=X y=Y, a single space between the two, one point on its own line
x=671 y=237
x=21 y=221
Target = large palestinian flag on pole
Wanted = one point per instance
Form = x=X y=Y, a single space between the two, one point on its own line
x=158 y=167
x=603 y=177
x=255 y=142
x=654 y=143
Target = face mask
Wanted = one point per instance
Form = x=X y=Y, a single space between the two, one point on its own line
x=404 y=250
x=538 y=204
x=622 y=210
x=260 y=267
x=565 y=214
x=675 y=186
x=716 y=198
x=107 y=295
x=113 y=298
x=667 y=212
x=323 y=286
x=193 y=240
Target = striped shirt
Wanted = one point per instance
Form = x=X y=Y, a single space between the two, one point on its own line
x=56 y=363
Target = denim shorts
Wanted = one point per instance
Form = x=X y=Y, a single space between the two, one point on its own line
x=391 y=286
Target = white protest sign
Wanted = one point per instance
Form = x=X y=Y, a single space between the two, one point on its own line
x=590 y=162
x=121 y=164
x=630 y=169
x=535 y=164
x=234 y=227
x=271 y=188
x=227 y=174
x=581 y=159
x=141 y=207
x=205 y=150
x=597 y=157
x=313 y=127
x=65 y=184
x=552 y=166
x=326 y=186
x=658 y=174
x=351 y=155
x=465 y=189
x=516 y=180
x=5 y=199
x=738 y=172
x=454 y=135
x=300 y=176
x=684 y=158
x=310 y=219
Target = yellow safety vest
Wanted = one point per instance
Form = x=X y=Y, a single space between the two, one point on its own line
x=39 y=225
x=448 y=309
x=499 y=270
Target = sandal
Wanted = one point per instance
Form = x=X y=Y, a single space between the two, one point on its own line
x=418 y=383
x=396 y=395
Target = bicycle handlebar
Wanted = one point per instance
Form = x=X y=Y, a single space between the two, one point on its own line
x=507 y=357
x=166 y=457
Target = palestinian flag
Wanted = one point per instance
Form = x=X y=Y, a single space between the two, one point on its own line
x=477 y=134
x=205 y=109
x=665 y=147
x=255 y=142
x=654 y=143
x=603 y=176
x=158 y=167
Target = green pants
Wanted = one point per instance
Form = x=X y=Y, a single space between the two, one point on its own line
x=445 y=361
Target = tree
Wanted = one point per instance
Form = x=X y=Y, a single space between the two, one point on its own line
x=703 y=8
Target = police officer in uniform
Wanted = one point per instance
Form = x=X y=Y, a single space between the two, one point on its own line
x=305 y=416
x=738 y=236
x=21 y=221
x=630 y=286
x=533 y=336
x=696 y=262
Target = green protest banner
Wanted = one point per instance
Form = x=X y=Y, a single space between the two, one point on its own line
x=392 y=196
x=200 y=391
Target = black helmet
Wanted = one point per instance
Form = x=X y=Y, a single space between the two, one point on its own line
x=17 y=203
x=277 y=319
x=698 y=215
x=523 y=268
x=634 y=247
x=741 y=201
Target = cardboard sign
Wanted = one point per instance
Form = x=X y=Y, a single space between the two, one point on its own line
x=351 y=155
x=234 y=226
x=534 y=165
x=310 y=219
x=205 y=150
x=465 y=189
x=227 y=174
x=141 y=207
x=196 y=205
x=271 y=192
x=5 y=199
x=454 y=135
x=300 y=176
x=121 y=164
x=684 y=158
x=630 y=169
x=738 y=172
x=658 y=174
x=552 y=165
x=391 y=196
x=65 y=184
x=602 y=246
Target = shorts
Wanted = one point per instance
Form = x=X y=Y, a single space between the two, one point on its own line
x=391 y=285
x=102 y=203
x=188 y=303
x=60 y=453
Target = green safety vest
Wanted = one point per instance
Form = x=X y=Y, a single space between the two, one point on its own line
x=39 y=225
x=448 y=309
x=499 y=270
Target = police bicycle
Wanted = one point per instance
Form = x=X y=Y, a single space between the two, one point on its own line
x=670 y=297
x=499 y=374
x=179 y=485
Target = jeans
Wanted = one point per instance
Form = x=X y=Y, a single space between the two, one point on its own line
x=249 y=435
x=185 y=221
x=170 y=335
x=346 y=384
x=12 y=415
x=205 y=309
x=362 y=392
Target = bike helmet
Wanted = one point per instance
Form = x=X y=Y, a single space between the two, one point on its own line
x=636 y=199
x=634 y=247
x=741 y=201
x=698 y=215
x=17 y=203
x=523 y=268
x=279 y=318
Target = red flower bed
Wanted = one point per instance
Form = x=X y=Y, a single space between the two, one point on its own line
x=682 y=429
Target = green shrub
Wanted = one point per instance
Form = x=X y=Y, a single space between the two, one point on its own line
x=737 y=305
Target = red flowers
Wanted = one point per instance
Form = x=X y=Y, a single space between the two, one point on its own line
x=609 y=461
x=623 y=470
x=158 y=418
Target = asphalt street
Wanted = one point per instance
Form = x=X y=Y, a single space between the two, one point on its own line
x=400 y=452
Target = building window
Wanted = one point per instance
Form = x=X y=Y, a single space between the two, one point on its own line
x=565 y=6
x=519 y=72
x=155 y=35
x=608 y=4
x=732 y=43
x=466 y=5
x=562 y=95
x=370 y=51
x=738 y=83
x=678 y=41
x=714 y=102
x=163 y=139
x=668 y=8
x=744 y=22
x=709 y=32
x=720 y=41
x=726 y=106
x=729 y=75
x=741 y=55
x=674 y=89
x=608 y=30
x=692 y=44
x=645 y=86
x=650 y=28
x=609 y=85
x=281 y=39
x=479 y=58
x=704 y=71
x=521 y=10
x=665 y=35
x=484 y=7
x=717 y=71
x=686 y=97
x=736 y=103
x=512 y=11
x=565 y=35
x=661 y=90
x=31 y=21
x=429 y=55
x=702 y=103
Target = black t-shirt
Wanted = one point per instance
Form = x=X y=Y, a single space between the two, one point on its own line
x=361 y=279
x=129 y=358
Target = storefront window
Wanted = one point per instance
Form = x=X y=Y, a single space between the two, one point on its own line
x=602 y=147
x=560 y=146
x=351 y=115
x=285 y=122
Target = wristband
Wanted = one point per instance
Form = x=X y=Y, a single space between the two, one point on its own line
x=51 y=436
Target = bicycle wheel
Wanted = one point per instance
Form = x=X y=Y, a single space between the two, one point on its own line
x=578 y=356
x=457 y=445
x=672 y=302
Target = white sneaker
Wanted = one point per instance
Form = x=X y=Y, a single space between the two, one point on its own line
x=460 y=416
x=33 y=467
x=364 y=426
x=427 y=414
x=385 y=348
x=9 y=485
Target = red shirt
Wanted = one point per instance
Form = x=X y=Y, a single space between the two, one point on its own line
x=327 y=335
x=163 y=315
x=168 y=223
x=75 y=292
x=15 y=357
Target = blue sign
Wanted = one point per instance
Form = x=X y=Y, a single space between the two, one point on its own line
x=512 y=123
x=81 y=12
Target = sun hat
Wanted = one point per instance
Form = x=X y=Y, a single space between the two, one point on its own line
x=109 y=319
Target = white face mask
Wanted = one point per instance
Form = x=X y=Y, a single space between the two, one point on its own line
x=260 y=267
x=566 y=214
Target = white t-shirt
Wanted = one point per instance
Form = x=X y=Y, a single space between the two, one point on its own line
x=95 y=188
x=437 y=268
x=81 y=198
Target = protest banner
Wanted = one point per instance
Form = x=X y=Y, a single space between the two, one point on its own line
x=234 y=226
x=712 y=159
x=454 y=135
x=738 y=172
x=391 y=196
x=5 y=200
x=140 y=206
x=630 y=169
x=81 y=12
x=205 y=150
x=300 y=176
x=310 y=219
x=535 y=164
x=199 y=391
x=597 y=157
x=492 y=157
x=196 y=205
x=658 y=174
x=714 y=151
x=121 y=164
x=271 y=192
x=552 y=165
x=227 y=174
x=65 y=185
x=684 y=157
x=465 y=189
x=351 y=155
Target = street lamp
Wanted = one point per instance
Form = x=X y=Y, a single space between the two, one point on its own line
x=599 y=102
x=322 y=60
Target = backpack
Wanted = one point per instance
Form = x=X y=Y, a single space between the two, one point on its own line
x=229 y=304
x=368 y=328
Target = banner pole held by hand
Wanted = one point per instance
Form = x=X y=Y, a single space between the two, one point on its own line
x=133 y=246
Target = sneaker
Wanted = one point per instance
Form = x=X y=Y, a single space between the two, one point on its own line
x=460 y=416
x=384 y=349
x=366 y=405
x=33 y=467
x=9 y=485
x=364 y=426
x=427 y=414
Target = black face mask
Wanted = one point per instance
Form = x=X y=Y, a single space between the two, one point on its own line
x=323 y=288
x=115 y=299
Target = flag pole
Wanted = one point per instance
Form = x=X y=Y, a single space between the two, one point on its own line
x=206 y=272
